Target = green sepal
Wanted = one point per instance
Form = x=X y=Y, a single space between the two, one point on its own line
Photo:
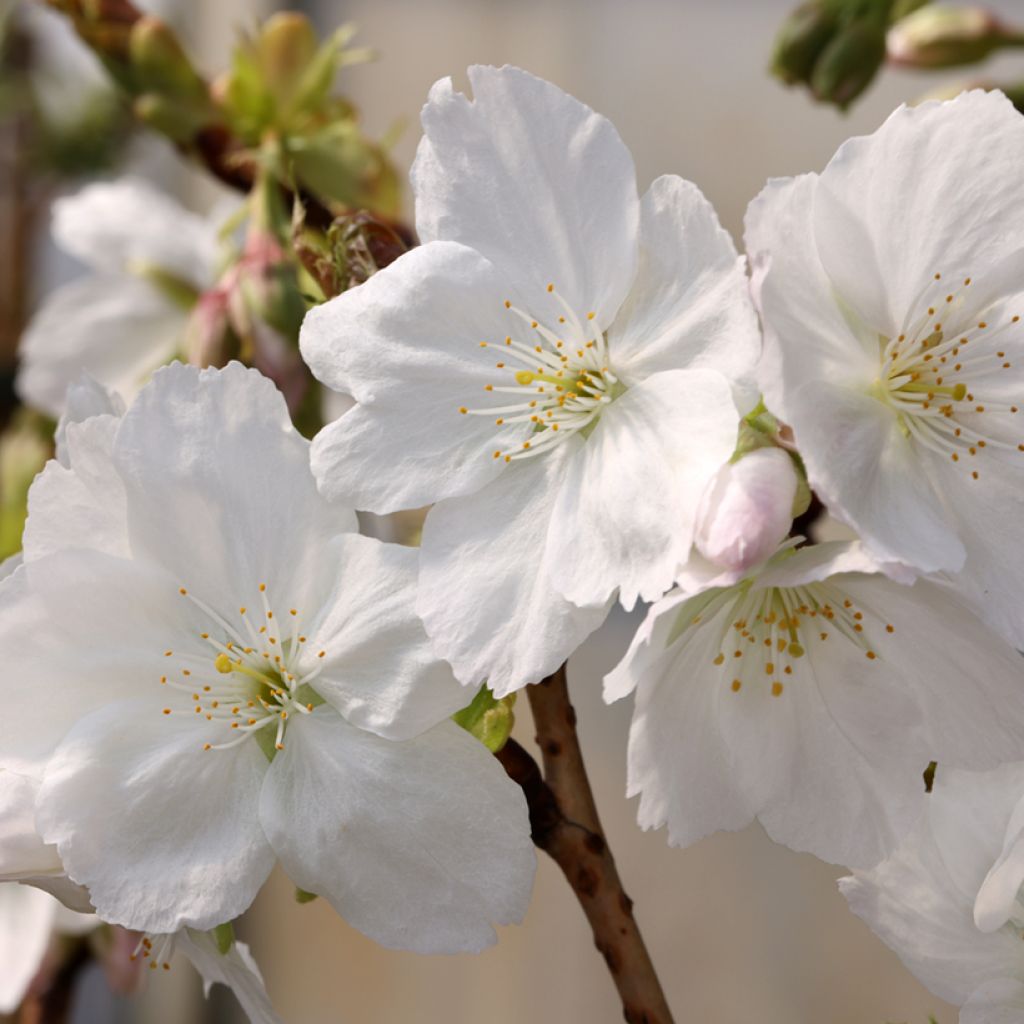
x=487 y=718
x=302 y=896
x=224 y=937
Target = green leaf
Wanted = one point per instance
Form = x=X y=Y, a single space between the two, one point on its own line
x=488 y=719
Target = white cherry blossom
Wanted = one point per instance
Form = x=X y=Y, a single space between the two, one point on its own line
x=949 y=899
x=149 y=258
x=222 y=674
x=558 y=367
x=891 y=294
x=811 y=696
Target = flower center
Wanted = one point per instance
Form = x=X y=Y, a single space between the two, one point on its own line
x=250 y=681
x=561 y=380
x=763 y=633
x=942 y=373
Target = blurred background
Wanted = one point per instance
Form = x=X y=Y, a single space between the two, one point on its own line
x=741 y=929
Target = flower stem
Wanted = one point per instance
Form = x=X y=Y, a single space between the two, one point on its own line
x=566 y=826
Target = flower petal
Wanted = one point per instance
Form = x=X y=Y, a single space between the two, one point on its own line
x=534 y=180
x=102 y=625
x=219 y=490
x=22 y=853
x=910 y=188
x=689 y=306
x=486 y=593
x=236 y=969
x=421 y=844
x=1000 y=1001
x=85 y=398
x=407 y=346
x=627 y=505
x=120 y=225
x=911 y=903
x=26 y=917
x=379 y=670
x=117 y=329
x=83 y=506
x=162 y=833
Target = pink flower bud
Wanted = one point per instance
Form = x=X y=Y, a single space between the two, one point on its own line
x=747 y=509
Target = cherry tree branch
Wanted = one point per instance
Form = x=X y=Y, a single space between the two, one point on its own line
x=566 y=826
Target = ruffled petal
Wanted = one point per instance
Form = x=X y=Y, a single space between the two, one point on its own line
x=487 y=594
x=219 y=490
x=163 y=833
x=379 y=670
x=408 y=346
x=236 y=969
x=128 y=224
x=627 y=505
x=534 y=180
x=690 y=305
x=422 y=844
x=117 y=329
x=79 y=507
x=924 y=194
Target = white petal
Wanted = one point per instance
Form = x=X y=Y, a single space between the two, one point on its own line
x=115 y=226
x=970 y=812
x=1000 y=1001
x=117 y=329
x=9 y=564
x=237 y=969
x=163 y=833
x=989 y=512
x=690 y=305
x=85 y=398
x=219 y=489
x=912 y=904
x=806 y=336
x=486 y=592
x=379 y=670
x=871 y=476
x=26 y=917
x=927 y=172
x=747 y=509
x=99 y=629
x=421 y=844
x=678 y=762
x=997 y=897
x=627 y=505
x=407 y=346
x=965 y=678
x=83 y=506
x=534 y=180
x=23 y=854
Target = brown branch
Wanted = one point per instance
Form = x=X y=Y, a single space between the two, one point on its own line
x=565 y=825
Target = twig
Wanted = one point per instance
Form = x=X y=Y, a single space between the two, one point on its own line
x=565 y=825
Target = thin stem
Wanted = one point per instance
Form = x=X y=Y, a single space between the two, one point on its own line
x=566 y=826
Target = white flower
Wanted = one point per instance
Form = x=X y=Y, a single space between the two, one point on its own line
x=28 y=917
x=891 y=289
x=555 y=367
x=812 y=696
x=219 y=672
x=149 y=259
x=948 y=901
x=747 y=510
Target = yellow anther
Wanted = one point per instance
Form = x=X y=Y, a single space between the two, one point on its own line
x=222 y=663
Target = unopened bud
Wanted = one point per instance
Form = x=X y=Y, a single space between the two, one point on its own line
x=849 y=63
x=287 y=46
x=159 y=62
x=941 y=37
x=747 y=510
x=802 y=38
x=178 y=120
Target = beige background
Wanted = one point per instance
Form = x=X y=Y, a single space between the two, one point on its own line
x=741 y=929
